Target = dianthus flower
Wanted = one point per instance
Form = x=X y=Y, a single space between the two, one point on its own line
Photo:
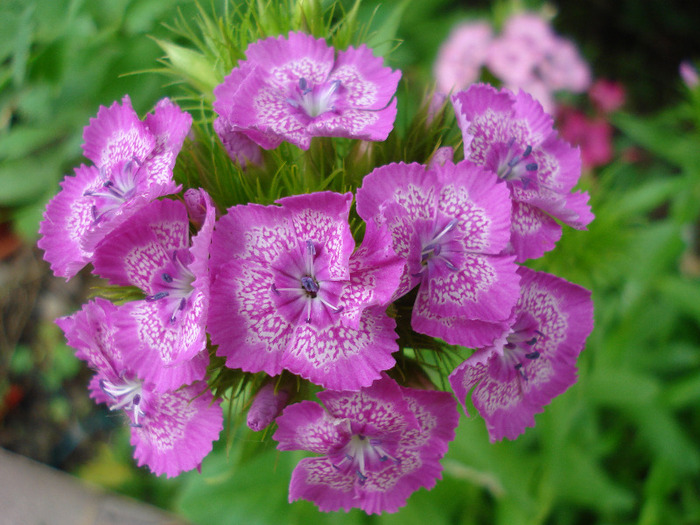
x=513 y=137
x=289 y=293
x=550 y=325
x=133 y=163
x=379 y=445
x=172 y=431
x=449 y=222
x=294 y=88
x=164 y=334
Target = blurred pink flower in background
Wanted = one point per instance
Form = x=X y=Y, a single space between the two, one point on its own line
x=462 y=55
x=527 y=55
x=607 y=95
x=689 y=74
x=592 y=135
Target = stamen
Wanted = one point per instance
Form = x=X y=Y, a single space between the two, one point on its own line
x=533 y=355
x=167 y=277
x=155 y=297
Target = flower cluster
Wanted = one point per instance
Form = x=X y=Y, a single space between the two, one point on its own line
x=527 y=54
x=281 y=300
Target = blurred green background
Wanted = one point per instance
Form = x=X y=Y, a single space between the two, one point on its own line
x=621 y=446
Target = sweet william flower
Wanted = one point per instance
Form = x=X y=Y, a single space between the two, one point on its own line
x=171 y=431
x=378 y=445
x=133 y=163
x=297 y=87
x=513 y=137
x=164 y=333
x=449 y=223
x=290 y=294
x=550 y=325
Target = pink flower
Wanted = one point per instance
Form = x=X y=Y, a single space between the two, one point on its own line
x=291 y=89
x=133 y=160
x=164 y=334
x=378 y=445
x=689 y=74
x=592 y=136
x=172 y=430
x=461 y=57
x=513 y=137
x=290 y=294
x=550 y=325
x=607 y=95
x=449 y=223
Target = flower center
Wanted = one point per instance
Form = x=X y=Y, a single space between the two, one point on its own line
x=516 y=165
x=126 y=394
x=363 y=454
x=314 y=100
x=174 y=286
x=441 y=247
x=302 y=291
x=114 y=192
x=520 y=346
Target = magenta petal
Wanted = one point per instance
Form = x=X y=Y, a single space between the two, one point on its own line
x=159 y=353
x=534 y=232
x=143 y=245
x=116 y=135
x=67 y=219
x=341 y=358
x=179 y=431
x=306 y=426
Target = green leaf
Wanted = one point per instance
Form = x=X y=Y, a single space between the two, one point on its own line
x=191 y=66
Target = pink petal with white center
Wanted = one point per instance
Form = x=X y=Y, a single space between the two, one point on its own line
x=375 y=271
x=533 y=233
x=67 y=219
x=472 y=195
x=322 y=217
x=379 y=409
x=116 y=135
x=512 y=387
x=370 y=85
x=454 y=330
x=179 y=430
x=169 y=126
x=243 y=319
x=166 y=354
x=290 y=58
x=342 y=358
x=485 y=288
x=91 y=333
x=253 y=231
x=143 y=245
x=307 y=426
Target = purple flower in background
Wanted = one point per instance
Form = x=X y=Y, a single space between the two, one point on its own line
x=172 y=431
x=289 y=293
x=133 y=163
x=512 y=136
x=164 y=334
x=551 y=322
x=461 y=57
x=379 y=445
x=294 y=88
x=449 y=223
